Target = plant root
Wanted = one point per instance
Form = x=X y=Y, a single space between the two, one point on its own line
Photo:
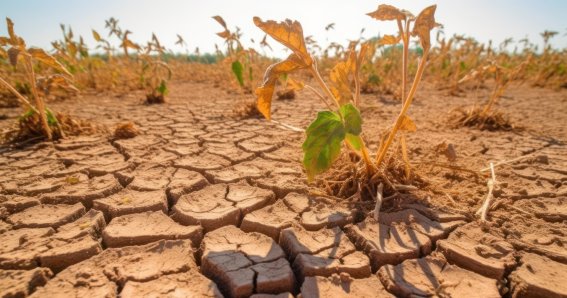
x=477 y=117
x=247 y=110
x=155 y=99
x=29 y=128
x=491 y=184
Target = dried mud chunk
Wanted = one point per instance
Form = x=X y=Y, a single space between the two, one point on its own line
x=78 y=142
x=21 y=283
x=283 y=184
x=17 y=203
x=187 y=284
x=437 y=215
x=274 y=277
x=539 y=276
x=486 y=253
x=42 y=216
x=283 y=154
x=297 y=202
x=139 y=143
x=183 y=182
x=64 y=253
x=431 y=276
x=184 y=149
x=91 y=224
x=243 y=263
x=206 y=207
x=229 y=151
x=236 y=173
x=19 y=248
x=416 y=221
x=33 y=186
x=248 y=198
x=548 y=209
x=84 y=191
x=280 y=295
x=202 y=162
x=259 y=144
x=148 y=178
x=388 y=244
x=323 y=253
x=143 y=228
x=538 y=236
x=269 y=220
x=324 y=215
x=342 y=287
x=106 y=164
x=130 y=201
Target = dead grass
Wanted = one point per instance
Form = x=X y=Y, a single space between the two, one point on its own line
x=478 y=118
x=246 y=110
x=155 y=99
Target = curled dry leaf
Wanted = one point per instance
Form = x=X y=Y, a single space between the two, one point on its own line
x=424 y=23
x=387 y=12
x=266 y=90
x=96 y=36
x=340 y=84
x=389 y=40
x=289 y=33
x=294 y=85
x=13 y=56
x=41 y=56
x=408 y=124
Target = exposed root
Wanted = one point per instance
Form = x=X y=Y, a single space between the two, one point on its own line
x=478 y=118
x=246 y=110
x=489 y=197
x=349 y=179
x=154 y=99
x=30 y=130
x=125 y=130
x=287 y=94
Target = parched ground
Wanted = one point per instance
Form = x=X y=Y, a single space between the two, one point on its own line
x=203 y=204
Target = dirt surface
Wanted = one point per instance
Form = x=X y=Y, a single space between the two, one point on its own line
x=205 y=204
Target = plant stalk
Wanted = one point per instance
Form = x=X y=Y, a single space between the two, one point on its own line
x=19 y=96
x=38 y=101
x=405 y=107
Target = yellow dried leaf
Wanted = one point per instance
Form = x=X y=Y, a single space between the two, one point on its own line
x=340 y=83
x=387 y=12
x=220 y=20
x=294 y=85
x=424 y=22
x=289 y=33
x=408 y=124
x=13 y=37
x=41 y=56
x=225 y=34
x=129 y=44
x=96 y=36
x=266 y=90
x=390 y=40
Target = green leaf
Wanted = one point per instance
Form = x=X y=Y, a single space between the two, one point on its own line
x=354 y=141
x=162 y=88
x=323 y=143
x=353 y=121
x=238 y=70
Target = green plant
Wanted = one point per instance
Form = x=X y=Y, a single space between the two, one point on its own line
x=341 y=123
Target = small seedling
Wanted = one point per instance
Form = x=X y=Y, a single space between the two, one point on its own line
x=341 y=123
x=155 y=73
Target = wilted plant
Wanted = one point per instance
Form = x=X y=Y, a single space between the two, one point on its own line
x=155 y=73
x=38 y=120
x=341 y=123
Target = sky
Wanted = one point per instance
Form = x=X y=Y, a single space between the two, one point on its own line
x=37 y=21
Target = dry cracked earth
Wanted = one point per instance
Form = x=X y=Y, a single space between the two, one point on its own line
x=202 y=204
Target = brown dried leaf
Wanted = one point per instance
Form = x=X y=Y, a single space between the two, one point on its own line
x=294 y=85
x=13 y=55
x=390 y=40
x=266 y=90
x=289 y=33
x=96 y=36
x=424 y=23
x=340 y=83
x=13 y=37
x=41 y=56
x=408 y=124
x=129 y=44
x=221 y=21
x=387 y=12
x=225 y=34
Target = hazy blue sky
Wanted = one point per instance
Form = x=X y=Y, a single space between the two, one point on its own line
x=38 y=20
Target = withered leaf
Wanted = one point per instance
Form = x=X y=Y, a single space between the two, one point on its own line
x=11 y=34
x=266 y=90
x=41 y=56
x=129 y=44
x=289 y=33
x=340 y=84
x=387 y=12
x=221 y=21
x=408 y=124
x=225 y=34
x=424 y=22
x=13 y=55
x=389 y=40
x=294 y=85
x=96 y=36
